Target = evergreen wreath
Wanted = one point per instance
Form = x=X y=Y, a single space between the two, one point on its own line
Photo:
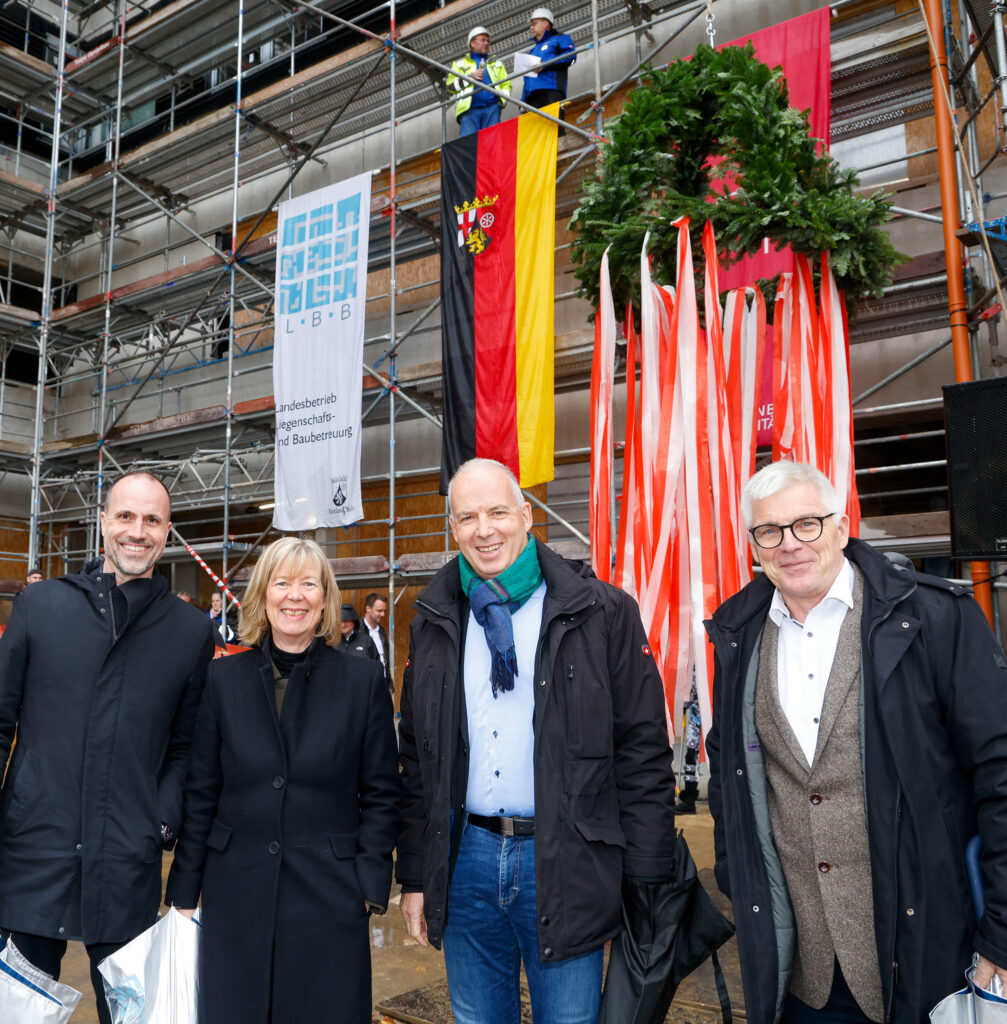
x=723 y=114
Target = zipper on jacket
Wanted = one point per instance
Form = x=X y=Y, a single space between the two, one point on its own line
x=547 y=625
x=539 y=674
x=573 y=711
x=890 y=1010
x=898 y=816
x=111 y=614
x=544 y=629
x=538 y=651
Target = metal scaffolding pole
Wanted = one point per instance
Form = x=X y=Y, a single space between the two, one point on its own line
x=1000 y=77
x=109 y=264
x=596 y=103
x=232 y=307
x=392 y=287
x=43 y=340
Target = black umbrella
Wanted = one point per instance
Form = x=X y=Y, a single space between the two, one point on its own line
x=669 y=928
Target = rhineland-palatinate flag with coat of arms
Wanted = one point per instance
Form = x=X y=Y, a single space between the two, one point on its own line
x=498 y=235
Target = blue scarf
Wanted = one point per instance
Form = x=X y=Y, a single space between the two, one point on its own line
x=494 y=601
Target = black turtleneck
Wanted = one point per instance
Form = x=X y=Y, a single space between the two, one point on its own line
x=283 y=665
x=285 y=660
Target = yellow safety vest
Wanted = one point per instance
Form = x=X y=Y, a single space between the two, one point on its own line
x=466 y=66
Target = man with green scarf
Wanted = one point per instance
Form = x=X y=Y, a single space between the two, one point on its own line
x=535 y=763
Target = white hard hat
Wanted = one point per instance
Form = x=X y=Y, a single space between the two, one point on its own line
x=478 y=31
x=543 y=12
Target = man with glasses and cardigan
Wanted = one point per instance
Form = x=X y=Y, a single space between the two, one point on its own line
x=859 y=740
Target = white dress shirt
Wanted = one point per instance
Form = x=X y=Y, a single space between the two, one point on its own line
x=501 y=728
x=804 y=656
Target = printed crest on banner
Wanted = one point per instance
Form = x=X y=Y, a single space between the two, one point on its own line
x=475 y=219
x=339 y=491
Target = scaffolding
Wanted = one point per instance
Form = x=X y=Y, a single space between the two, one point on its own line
x=142 y=249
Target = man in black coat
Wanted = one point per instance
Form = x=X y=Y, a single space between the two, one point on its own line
x=34 y=576
x=375 y=606
x=225 y=628
x=859 y=740
x=356 y=640
x=104 y=719
x=535 y=762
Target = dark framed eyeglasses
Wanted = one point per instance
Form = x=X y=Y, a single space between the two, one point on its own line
x=806 y=529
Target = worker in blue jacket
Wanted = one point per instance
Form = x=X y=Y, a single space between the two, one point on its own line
x=548 y=85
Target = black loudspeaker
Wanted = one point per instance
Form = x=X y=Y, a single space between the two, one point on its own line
x=975 y=432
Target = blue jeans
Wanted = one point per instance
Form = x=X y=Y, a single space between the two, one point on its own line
x=478 y=117
x=492 y=926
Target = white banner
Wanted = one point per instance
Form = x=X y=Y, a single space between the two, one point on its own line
x=321 y=291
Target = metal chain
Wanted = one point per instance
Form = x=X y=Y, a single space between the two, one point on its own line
x=710 y=30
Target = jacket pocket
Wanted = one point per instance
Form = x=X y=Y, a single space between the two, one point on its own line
x=589 y=705
x=344 y=844
x=591 y=790
x=957 y=849
x=219 y=837
x=600 y=832
x=20 y=794
x=431 y=693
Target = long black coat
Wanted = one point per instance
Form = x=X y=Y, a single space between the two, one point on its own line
x=604 y=788
x=289 y=827
x=103 y=733
x=935 y=760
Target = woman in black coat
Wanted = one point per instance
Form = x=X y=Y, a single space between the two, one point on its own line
x=291 y=808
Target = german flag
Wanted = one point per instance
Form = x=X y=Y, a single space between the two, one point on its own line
x=498 y=233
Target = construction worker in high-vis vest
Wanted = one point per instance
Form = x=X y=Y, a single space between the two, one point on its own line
x=477 y=108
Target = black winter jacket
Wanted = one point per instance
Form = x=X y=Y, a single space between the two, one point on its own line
x=604 y=788
x=359 y=643
x=934 y=746
x=103 y=733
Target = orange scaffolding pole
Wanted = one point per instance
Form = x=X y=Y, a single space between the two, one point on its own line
x=952 y=246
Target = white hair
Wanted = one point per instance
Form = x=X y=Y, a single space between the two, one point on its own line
x=777 y=476
x=519 y=498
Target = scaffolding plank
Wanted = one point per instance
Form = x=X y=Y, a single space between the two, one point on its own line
x=22 y=184
x=254 y=405
x=134 y=32
x=17 y=316
x=27 y=62
x=164 y=279
x=359 y=565
x=162 y=424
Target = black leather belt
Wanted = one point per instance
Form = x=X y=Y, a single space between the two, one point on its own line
x=505 y=826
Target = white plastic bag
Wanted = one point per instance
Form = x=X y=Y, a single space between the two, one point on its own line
x=154 y=979
x=970 y=1005
x=30 y=996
